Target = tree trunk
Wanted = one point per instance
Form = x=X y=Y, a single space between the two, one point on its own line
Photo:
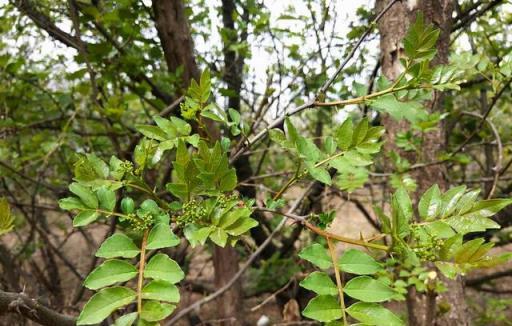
x=451 y=306
x=174 y=33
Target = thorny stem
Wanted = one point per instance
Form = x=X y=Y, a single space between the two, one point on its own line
x=325 y=234
x=339 y=282
x=362 y=243
x=142 y=263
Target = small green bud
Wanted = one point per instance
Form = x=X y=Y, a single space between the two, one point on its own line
x=127 y=205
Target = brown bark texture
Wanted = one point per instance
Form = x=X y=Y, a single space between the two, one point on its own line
x=451 y=307
x=174 y=32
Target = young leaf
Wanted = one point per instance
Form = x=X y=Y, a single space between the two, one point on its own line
x=155 y=311
x=320 y=283
x=70 y=203
x=107 y=198
x=241 y=226
x=467 y=202
x=467 y=250
x=373 y=314
x=161 y=267
x=152 y=132
x=367 y=289
x=430 y=203
x=219 y=237
x=85 y=194
x=360 y=132
x=197 y=236
x=161 y=236
x=126 y=320
x=324 y=308
x=85 y=217
x=103 y=303
x=448 y=269
x=110 y=272
x=319 y=174
x=344 y=134
x=450 y=199
x=118 y=245
x=357 y=262
x=161 y=291
x=317 y=255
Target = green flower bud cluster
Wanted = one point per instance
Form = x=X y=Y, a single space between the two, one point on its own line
x=429 y=251
x=192 y=212
x=142 y=218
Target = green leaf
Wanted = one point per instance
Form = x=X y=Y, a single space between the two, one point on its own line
x=308 y=150
x=367 y=289
x=471 y=223
x=324 y=308
x=450 y=200
x=317 y=255
x=161 y=267
x=161 y=291
x=357 y=262
x=161 y=236
x=103 y=303
x=70 y=203
x=402 y=213
x=439 y=229
x=118 y=245
x=291 y=132
x=107 y=198
x=373 y=314
x=467 y=250
x=450 y=246
x=320 y=174
x=110 y=272
x=152 y=132
x=467 y=202
x=241 y=226
x=197 y=236
x=320 y=283
x=448 y=269
x=344 y=134
x=219 y=237
x=85 y=194
x=399 y=110
x=430 y=203
x=126 y=320
x=85 y=217
x=360 y=132
x=155 y=311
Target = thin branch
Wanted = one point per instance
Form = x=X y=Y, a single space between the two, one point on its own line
x=311 y=103
x=21 y=304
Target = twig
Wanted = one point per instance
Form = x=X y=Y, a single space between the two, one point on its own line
x=498 y=166
x=339 y=283
x=257 y=307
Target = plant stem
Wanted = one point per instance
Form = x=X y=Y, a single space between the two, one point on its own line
x=326 y=234
x=339 y=283
x=142 y=263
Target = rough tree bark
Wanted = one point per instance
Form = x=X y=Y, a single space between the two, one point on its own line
x=174 y=33
x=393 y=28
x=22 y=305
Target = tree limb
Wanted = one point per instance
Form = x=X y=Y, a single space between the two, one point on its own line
x=21 y=304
